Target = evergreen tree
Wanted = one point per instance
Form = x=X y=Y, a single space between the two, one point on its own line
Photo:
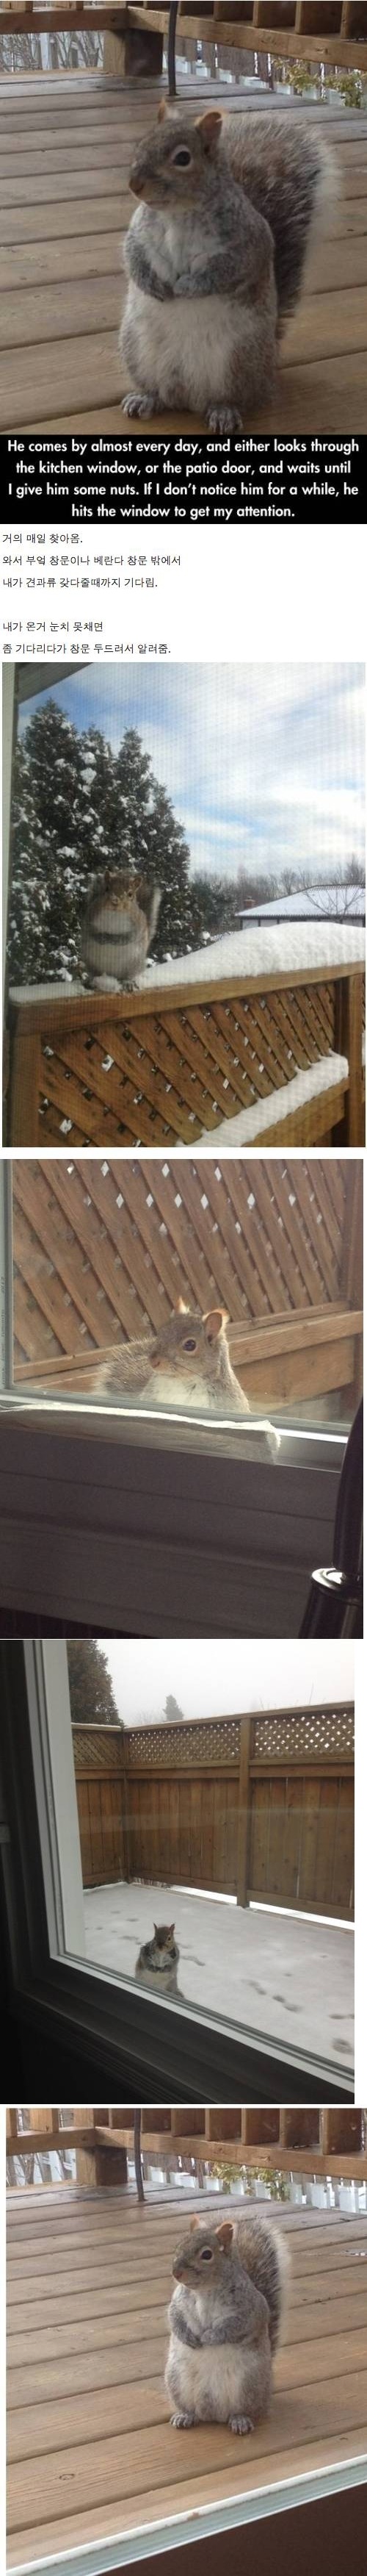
x=172 y=1710
x=92 y=1698
x=79 y=808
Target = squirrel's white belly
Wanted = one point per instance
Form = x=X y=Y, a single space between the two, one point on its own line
x=188 y=343
x=215 y=2373
x=164 y=1388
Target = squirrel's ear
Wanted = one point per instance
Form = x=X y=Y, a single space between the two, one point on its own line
x=180 y=1308
x=214 y=1322
x=209 y=126
x=225 y=2234
x=194 y=2222
x=162 y=112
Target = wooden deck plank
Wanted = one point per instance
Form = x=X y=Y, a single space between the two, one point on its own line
x=341 y=263
x=108 y=2470
x=101 y=2523
x=41 y=2316
x=89 y=2445
x=333 y=392
x=58 y=2423
x=64 y=185
x=116 y=2266
x=92 y=2254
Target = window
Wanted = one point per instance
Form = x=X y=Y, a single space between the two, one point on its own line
x=136 y=1512
x=242 y=1839
x=185 y=925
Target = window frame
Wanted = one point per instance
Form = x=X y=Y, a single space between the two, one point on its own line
x=141 y=2042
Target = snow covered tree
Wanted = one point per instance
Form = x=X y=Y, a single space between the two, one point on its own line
x=79 y=808
x=92 y=1697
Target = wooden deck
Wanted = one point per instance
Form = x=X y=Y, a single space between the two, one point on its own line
x=91 y=2450
x=66 y=145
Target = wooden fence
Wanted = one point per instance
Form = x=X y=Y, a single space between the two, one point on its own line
x=309 y=30
x=253 y=1807
x=165 y=1066
x=311 y=2141
x=102 y=1253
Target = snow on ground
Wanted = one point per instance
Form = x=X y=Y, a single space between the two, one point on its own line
x=283 y=948
x=248 y=1123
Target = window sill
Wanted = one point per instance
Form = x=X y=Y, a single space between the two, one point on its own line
x=154 y=1527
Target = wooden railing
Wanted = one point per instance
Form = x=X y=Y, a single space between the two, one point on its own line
x=297 y=28
x=253 y=1807
x=164 y=1065
x=311 y=2141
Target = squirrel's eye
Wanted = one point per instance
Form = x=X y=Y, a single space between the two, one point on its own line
x=190 y=1346
x=206 y=2255
x=182 y=158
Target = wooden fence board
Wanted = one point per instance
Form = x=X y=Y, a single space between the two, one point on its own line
x=246 y=1806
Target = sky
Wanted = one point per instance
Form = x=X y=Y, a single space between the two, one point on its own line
x=219 y=1678
x=264 y=762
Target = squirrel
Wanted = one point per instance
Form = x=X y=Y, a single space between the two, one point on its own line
x=116 y=929
x=157 y=1961
x=187 y=1362
x=225 y=2319
x=228 y=207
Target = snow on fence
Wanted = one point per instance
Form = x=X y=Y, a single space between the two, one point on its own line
x=253 y=1807
x=102 y=1252
x=184 y=1060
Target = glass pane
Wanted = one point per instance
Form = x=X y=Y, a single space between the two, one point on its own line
x=177 y=833
x=215 y=1796
x=229 y=1290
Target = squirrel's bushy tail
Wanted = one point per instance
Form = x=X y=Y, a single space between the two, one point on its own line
x=266 y=2256
x=289 y=173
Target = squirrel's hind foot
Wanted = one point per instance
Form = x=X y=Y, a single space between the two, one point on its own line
x=181 y=2423
x=240 y=2424
x=138 y=405
x=225 y=420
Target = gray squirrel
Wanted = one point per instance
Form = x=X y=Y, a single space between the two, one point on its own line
x=157 y=1961
x=116 y=929
x=187 y=1362
x=225 y=2318
x=215 y=255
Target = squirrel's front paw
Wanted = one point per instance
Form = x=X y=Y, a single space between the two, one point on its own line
x=139 y=405
x=182 y=2422
x=225 y=421
x=240 y=2424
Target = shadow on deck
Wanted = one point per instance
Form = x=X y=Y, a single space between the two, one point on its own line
x=91 y=2450
x=66 y=146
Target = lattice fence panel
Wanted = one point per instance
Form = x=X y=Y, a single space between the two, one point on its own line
x=185 y=1747
x=165 y=1075
x=98 y=1748
x=103 y=1250
x=312 y=1735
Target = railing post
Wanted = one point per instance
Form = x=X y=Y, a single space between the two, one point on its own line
x=102 y=2166
x=244 y=1815
x=348 y=1040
